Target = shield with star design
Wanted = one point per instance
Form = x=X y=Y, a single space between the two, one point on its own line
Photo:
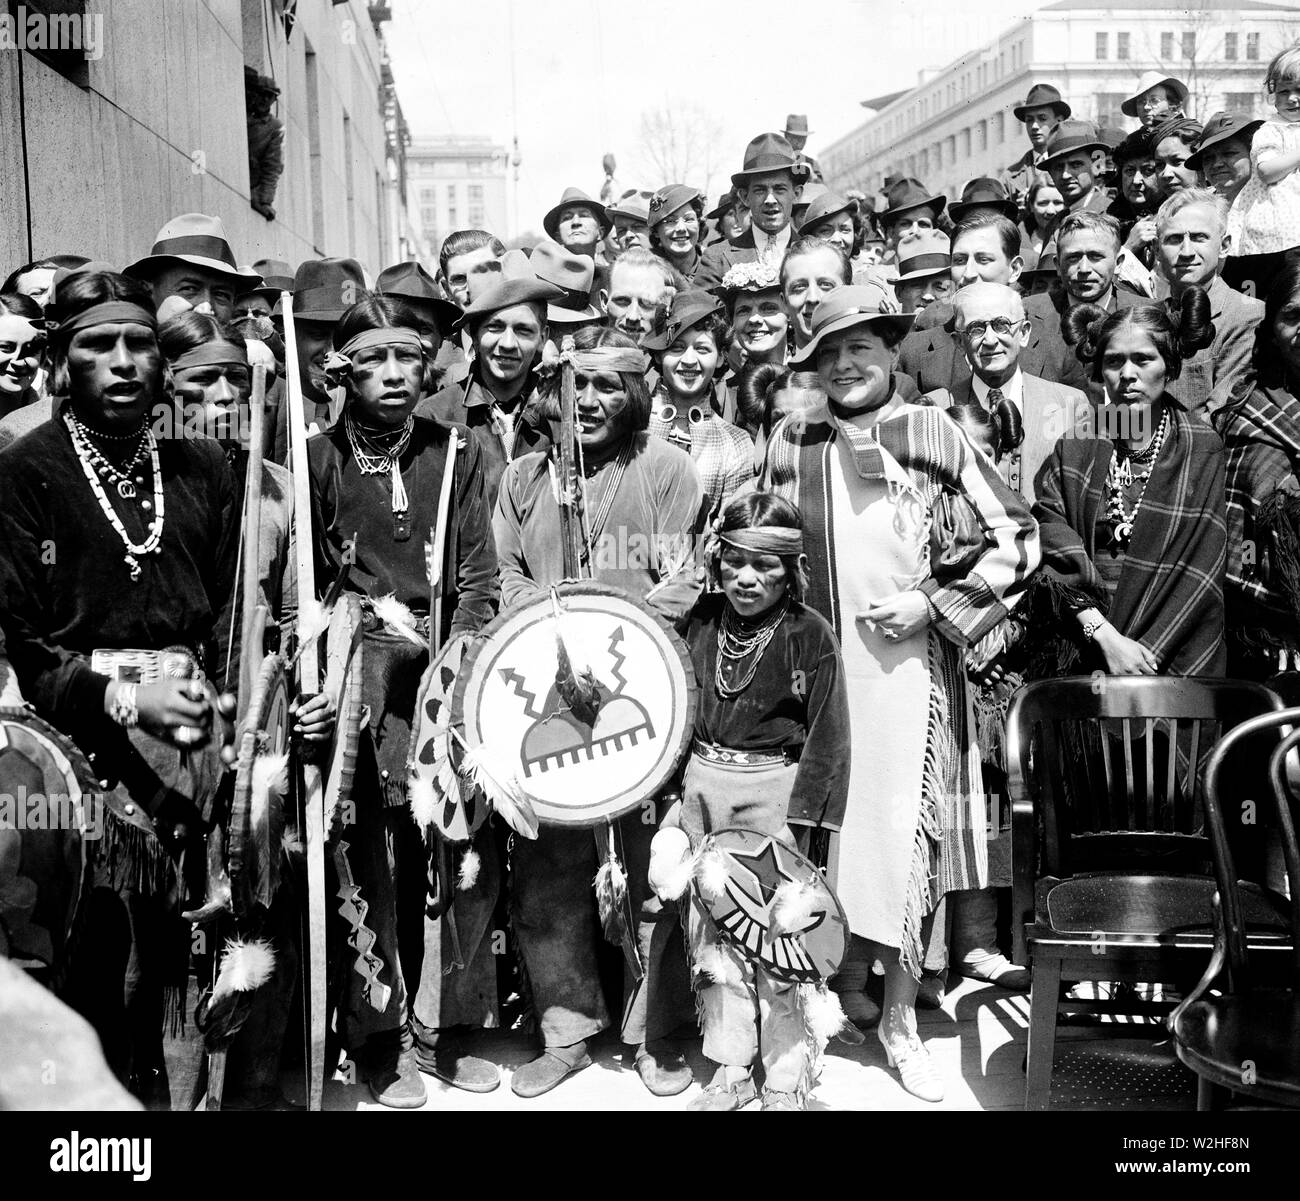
x=764 y=874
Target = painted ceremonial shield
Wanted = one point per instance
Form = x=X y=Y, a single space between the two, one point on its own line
x=575 y=771
x=459 y=806
x=756 y=866
x=343 y=682
x=51 y=805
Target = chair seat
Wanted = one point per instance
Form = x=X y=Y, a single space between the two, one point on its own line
x=1249 y=1043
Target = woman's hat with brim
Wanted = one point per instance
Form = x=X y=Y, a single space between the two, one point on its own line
x=1042 y=95
x=922 y=255
x=200 y=241
x=906 y=194
x=1153 y=79
x=1070 y=136
x=854 y=304
x=573 y=275
x=665 y=202
x=726 y=204
x=518 y=285
x=983 y=193
x=411 y=283
x=767 y=153
x=752 y=276
x=689 y=308
x=576 y=197
x=1219 y=128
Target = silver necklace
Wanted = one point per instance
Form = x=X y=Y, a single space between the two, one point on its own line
x=735 y=644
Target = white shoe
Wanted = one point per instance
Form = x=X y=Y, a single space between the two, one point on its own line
x=907 y=1054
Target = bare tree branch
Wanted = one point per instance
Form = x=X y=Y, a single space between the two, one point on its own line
x=680 y=143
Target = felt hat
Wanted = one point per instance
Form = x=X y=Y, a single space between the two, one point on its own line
x=1042 y=95
x=634 y=205
x=769 y=152
x=904 y=194
x=688 y=309
x=277 y=277
x=925 y=253
x=1219 y=128
x=983 y=193
x=1070 y=136
x=797 y=124
x=572 y=197
x=854 y=304
x=1046 y=266
x=1110 y=136
x=518 y=285
x=199 y=240
x=1154 y=79
x=826 y=205
x=726 y=203
x=411 y=282
x=665 y=202
x=324 y=289
x=573 y=275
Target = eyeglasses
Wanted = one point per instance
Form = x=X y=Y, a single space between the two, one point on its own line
x=1002 y=326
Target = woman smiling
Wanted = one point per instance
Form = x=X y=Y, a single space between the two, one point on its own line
x=22 y=345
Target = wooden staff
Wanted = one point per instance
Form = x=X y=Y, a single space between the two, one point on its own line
x=251 y=637
x=438 y=552
x=308 y=685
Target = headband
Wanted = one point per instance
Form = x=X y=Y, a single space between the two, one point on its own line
x=106 y=312
x=338 y=363
x=212 y=354
x=602 y=358
x=767 y=539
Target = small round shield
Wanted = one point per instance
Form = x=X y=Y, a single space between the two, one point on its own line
x=757 y=866
x=343 y=681
x=591 y=706
x=459 y=807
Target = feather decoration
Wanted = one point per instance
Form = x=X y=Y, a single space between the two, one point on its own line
x=292 y=842
x=313 y=621
x=266 y=815
x=671 y=863
x=711 y=873
x=823 y=1016
x=496 y=775
x=717 y=967
x=467 y=876
x=792 y=907
x=245 y=967
x=575 y=682
x=271 y=775
x=423 y=798
x=611 y=893
x=399 y=619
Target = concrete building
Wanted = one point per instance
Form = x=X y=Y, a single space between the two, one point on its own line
x=96 y=153
x=457 y=183
x=957 y=123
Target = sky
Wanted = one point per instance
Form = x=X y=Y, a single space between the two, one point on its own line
x=586 y=71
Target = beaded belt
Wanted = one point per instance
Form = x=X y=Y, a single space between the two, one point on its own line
x=145 y=667
x=723 y=754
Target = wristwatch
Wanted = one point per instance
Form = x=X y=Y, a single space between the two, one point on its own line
x=1091 y=626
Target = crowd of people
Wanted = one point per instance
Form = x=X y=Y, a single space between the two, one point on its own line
x=907 y=452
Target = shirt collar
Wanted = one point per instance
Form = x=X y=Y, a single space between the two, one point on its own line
x=770 y=245
x=1013 y=390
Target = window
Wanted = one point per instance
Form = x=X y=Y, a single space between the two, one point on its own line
x=1103 y=46
x=1108 y=109
x=1121 y=45
x=476 y=193
x=999 y=127
x=965 y=143
x=982 y=136
x=1230 y=47
x=451 y=206
x=1166 y=45
x=1241 y=103
x=1189 y=45
x=1252 y=47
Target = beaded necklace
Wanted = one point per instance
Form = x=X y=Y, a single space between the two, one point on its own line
x=736 y=644
x=376 y=454
x=1120 y=477
x=86 y=456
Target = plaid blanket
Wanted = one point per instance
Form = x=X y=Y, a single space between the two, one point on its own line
x=1170 y=593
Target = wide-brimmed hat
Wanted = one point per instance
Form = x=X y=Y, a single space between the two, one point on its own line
x=573 y=275
x=199 y=240
x=688 y=309
x=925 y=253
x=634 y=205
x=1219 y=128
x=854 y=304
x=769 y=152
x=277 y=277
x=904 y=194
x=324 y=289
x=1149 y=80
x=665 y=202
x=571 y=197
x=826 y=205
x=983 y=193
x=518 y=285
x=1070 y=136
x=1041 y=95
x=797 y=124
x=726 y=203
x=411 y=282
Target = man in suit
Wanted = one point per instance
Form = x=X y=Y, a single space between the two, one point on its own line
x=1069 y=161
x=1032 y=412
x=796 y=133
x=1042 y=111
x=1190 y=241
x=768 y=185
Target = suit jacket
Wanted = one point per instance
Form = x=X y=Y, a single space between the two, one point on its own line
x=1223 y=369
x=1050 y=411
x=1018 y=178
x=1046 y=311
x=718 y=257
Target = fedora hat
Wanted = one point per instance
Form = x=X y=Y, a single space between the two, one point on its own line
x=410 y=282
x=925 y=253
x=277 y=277
x=1149 y=80
x=634 y=205
x=572 y=197
x=769 y=152
x=1070 y=136
x=518 y=285
x=797 y=124
x=324 y=289
x=1219 y=128
x=904 y=194
x=854 y=304
x=199 y=240
x=665 y=202
x=1046 y=266
x=1042 y=95
x=983 y=193
x=688 y=309
x=826 y=205
x=726 y=204
x=573 y=275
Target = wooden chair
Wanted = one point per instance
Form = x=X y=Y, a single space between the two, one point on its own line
x=1245 y=1037
x=1112 y=873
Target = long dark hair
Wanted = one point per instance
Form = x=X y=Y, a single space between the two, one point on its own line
x=78 y=293
x=1270 y=371
x=754 y=510
x=595 y=337
x=190 y=330
x=1178 y=329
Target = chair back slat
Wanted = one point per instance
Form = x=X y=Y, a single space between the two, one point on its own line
x=1124 y=819
x=1145 y=809
x=1284 y=797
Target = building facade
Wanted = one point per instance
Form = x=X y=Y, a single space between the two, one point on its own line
x=97 y=153
x=957 y=123
x=456 y=183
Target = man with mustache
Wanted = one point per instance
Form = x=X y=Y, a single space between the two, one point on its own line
x=641 y=288
x=768 y=185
